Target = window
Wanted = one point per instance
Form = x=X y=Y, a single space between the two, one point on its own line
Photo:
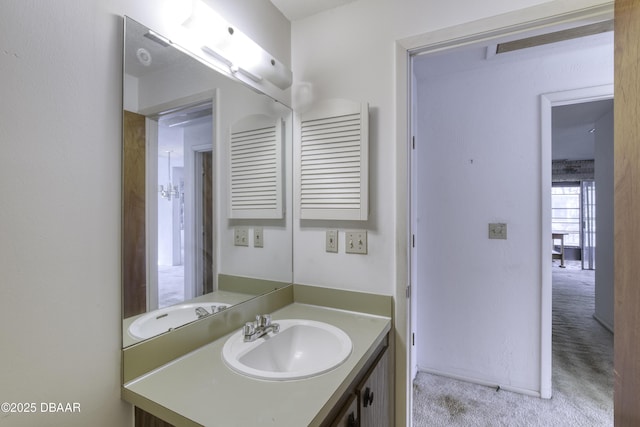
x=565 y=212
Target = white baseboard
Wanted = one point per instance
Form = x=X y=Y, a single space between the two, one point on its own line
x=606 y=325
x=481 y=382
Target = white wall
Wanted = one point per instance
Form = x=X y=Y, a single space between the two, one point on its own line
x=604 y=220
x=479 y=162
x=349 y=53
x=60 y=133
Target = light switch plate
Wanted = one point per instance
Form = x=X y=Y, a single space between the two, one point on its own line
x=355 y=242
x=241 y=236
x=498 y=230
x=331 y=244
x=258 y=237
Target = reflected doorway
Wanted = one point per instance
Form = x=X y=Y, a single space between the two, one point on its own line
x=183 y=176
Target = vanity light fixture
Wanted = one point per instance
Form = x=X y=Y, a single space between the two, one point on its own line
x=217 y=55
x=233 y=48
x=249 y=74
x=233 y=68
x=169 y=191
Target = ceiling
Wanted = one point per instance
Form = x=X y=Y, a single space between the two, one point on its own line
x=574 y=127
x=294 y=10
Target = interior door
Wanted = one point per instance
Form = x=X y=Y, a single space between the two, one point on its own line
x=134 y=264
x=626 y=219
x=206 y=252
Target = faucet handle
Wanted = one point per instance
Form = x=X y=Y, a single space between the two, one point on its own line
x=263 y=320
x=248 y=329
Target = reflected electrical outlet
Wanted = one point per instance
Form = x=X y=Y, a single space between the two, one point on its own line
x=331 y=244
x=241 y=236
x=258 y=237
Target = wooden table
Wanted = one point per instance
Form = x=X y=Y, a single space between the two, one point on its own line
x=558 y=254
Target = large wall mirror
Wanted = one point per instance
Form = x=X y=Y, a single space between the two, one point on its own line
x=206 y=188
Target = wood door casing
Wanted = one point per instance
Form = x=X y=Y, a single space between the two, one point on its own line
x=134 y=270
x=626 y=208
x=207 y=221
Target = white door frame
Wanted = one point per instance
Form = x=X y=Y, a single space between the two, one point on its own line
x=547 y=102
x=151 y=211
x=540 y=19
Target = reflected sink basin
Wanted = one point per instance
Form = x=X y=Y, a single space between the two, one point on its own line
x=302 y=349
x=159 y=321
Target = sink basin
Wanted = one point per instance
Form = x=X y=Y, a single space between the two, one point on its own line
x=302 y=349
x=163 y=320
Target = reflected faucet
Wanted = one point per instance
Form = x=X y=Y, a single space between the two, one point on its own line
x=202 y=312
x=260 y=327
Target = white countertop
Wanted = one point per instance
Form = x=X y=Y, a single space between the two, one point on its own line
x=200 y=387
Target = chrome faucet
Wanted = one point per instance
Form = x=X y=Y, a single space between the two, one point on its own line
x=260 y=327
x=202 y=312
x=218 y=308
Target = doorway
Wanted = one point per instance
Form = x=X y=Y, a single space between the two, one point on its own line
x=582 y=284
x=181 y=174
x=477 y=171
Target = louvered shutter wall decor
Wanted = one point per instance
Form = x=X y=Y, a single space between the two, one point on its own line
x=334 y=170
x=256 y=168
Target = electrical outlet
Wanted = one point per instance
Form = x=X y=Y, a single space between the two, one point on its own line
x=241 y=236
x=498 y=230
x=355 y=242
x=332 y=241
x=258 y=237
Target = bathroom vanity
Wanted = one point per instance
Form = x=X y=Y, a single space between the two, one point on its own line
x=188 y=118
x=200 y=389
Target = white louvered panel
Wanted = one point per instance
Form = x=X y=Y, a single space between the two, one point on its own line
x=334 y=161
x=256 y=168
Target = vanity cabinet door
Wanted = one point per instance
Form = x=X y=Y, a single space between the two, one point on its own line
x=373 y=395
x=145 y=419
x=349 y=415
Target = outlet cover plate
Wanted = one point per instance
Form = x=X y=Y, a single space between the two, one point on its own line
x=355 y=242
x=241 y=236
x=331 y=244
x=498 y=230
x=258 y=237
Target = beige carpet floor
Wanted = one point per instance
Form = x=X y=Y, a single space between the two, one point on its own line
x=582 y=374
